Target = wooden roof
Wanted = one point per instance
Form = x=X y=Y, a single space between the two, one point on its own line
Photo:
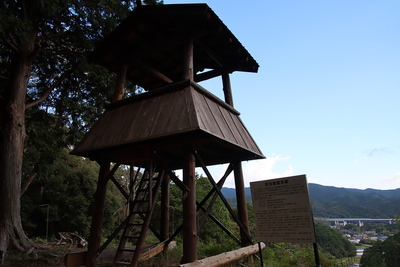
x=153 y=36
x=165 y=120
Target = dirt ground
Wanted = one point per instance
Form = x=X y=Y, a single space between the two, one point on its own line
x=44 y=255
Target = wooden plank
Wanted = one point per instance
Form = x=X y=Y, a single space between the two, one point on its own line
x=219 y=120
x=140 y=97
x=190 y=107
x=225 y=258
x=250 y=144
x=119 y=126
x=230 y=127
x=77 y=259
x=152 y=252
x=205 y=116
x=224 y=121
x=171 y=119
x=213 y=97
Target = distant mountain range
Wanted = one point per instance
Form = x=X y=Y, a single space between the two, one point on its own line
x=331 y=202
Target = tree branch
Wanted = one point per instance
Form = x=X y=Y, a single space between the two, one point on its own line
x=27 y=183
x=51 y=88
x=50 y=36
x=11 y=43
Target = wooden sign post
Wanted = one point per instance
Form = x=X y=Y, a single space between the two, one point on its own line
x=283 y=212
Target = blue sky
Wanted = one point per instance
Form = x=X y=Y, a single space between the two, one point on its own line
x=325 y=101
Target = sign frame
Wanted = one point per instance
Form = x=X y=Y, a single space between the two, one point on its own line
x=282 y=210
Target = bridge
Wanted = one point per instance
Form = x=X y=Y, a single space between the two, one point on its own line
x=358 y=221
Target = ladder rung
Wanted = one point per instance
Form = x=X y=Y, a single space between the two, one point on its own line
x=140 y=200
x=127 y=249
x=138 y=212
x=136 y=224
x=123 y=263
x=131 y=236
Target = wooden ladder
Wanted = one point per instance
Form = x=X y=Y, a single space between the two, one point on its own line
x=142 y=205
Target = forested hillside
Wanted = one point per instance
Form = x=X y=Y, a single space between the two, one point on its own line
x=330 y=201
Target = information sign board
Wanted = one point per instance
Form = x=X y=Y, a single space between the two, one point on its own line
x=282 y=210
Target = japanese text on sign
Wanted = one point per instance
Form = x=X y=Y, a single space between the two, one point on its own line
x=282 y=210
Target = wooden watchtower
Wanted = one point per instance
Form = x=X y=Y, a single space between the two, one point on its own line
x=175 y=124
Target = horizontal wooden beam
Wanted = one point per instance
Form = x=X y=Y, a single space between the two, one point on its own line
x=76 y=259
x=225 y=258
x=210 y=52
x=208 y=75
x=150 y=70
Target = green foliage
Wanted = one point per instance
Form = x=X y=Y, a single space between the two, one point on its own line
x=68 y=187
x=292 y=254
x=333 y=202
x=55 y=36
x=208 y=249
x=333 y=242
x=210 y=232
x=45 y=138
x=64 y=33
x=386 y=253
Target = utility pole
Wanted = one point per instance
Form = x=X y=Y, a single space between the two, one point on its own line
x=47 y=220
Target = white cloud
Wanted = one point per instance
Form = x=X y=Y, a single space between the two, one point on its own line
x=258 y=170
x=394 y=179
x=255 y=170
x=378 y=151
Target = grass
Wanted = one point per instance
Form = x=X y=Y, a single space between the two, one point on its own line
x=275 y=255
x=46 y=254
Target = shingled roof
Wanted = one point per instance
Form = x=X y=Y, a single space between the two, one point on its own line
x=154 y=36
x=167 y=119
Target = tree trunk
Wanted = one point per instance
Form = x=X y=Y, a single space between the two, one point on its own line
x=12 y=136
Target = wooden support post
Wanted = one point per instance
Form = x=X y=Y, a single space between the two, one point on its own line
x=189 y=209
x=120 y=83
x=238 y=173
x=241 y=203
x=189 y=178
x=164 y=228
x=188 y=73
x=98 y=214
x=226 y=83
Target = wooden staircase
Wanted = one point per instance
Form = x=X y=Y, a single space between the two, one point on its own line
x=141 y=206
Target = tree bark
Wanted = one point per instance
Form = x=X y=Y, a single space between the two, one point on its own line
x=12 y=136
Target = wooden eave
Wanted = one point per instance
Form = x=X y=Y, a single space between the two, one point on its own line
x=165 y=121
x=152 y=37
